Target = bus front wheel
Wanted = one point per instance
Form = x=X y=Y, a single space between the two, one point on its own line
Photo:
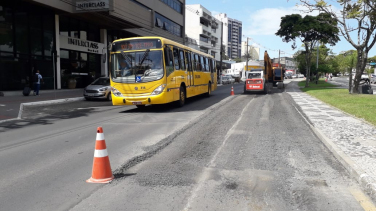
x=182 y=95
x=209 y=90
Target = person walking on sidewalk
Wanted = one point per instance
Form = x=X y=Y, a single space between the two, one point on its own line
x=37 y=80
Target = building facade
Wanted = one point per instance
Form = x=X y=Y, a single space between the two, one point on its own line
x=203 y=31
x=232 y=36
x=68 y=39
x=254 y=52
x=286 y=62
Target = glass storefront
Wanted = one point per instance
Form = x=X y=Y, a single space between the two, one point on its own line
x=26 y=44
x=82 y=66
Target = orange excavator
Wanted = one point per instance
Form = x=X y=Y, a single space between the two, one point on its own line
x=272 y=74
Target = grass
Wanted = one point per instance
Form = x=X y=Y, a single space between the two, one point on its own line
x=360 y=105
x=321 y=84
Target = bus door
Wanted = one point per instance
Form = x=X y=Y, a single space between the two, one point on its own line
x=173 y=94
x=213 y=72
x=182 y=72
x=189 y=70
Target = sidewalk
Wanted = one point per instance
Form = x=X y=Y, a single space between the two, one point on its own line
x=12 y=102
x=351 y=140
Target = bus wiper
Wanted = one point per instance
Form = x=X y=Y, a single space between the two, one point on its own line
x=129 y=60
x=144 y=57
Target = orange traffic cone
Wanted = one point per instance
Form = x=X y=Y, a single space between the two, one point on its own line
x=101 y=165
x=232 y=90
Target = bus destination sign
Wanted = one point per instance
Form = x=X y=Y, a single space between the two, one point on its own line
x=136 y=45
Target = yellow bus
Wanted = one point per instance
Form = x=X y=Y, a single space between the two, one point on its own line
x=155 y=70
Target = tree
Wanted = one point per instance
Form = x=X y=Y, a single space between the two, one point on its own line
x=310 y=30
x=363 y=13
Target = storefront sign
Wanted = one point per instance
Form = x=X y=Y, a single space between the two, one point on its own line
x=81 y=45
x=92 y=5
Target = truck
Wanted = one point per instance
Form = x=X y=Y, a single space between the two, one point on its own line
x=261 y=80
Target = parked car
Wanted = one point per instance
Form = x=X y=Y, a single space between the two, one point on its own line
x=99 y=89
x=373 y=78
x=293 y=76
x=288 y=75
x=227 y=80
x=300 y=76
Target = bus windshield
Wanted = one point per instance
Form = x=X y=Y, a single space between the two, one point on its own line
x=137 y=67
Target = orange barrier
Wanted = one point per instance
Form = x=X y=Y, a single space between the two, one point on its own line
x=101 y=165
x=232 y=90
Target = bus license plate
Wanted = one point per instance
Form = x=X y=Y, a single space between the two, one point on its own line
x=137 y=103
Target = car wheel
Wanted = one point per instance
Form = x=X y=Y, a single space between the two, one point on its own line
x=109 y=96
x=87 y=98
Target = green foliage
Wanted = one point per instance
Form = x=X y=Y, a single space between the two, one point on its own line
x=310 y=30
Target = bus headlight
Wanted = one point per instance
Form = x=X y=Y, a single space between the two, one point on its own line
x=159 y=89
x=116 y=92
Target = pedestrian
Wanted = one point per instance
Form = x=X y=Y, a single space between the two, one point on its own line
x=37 y=80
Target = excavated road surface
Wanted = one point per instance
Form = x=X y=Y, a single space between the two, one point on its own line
x=255 y=152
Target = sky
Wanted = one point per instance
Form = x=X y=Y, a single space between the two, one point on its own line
x=261 y=20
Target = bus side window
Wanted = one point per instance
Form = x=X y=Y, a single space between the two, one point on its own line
x=182 y=60
x=202 y=64
x=207 y=64
x=176 y=59
x=188 y=59
x=210 y=65
x=168 y=60
x=197 y=63
x=214 y=66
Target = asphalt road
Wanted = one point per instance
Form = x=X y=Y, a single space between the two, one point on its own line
x=245 y=152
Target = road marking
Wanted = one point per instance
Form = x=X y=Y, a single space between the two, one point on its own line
x=205 y=174
x=363 y=200
x=2 y=105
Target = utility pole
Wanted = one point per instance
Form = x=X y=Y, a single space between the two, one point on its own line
x=246 y=64
x=279 y=58
x=317 y=63
x=219 y=75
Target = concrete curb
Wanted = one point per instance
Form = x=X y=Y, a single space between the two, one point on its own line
x=48 y=102
x=366 y=182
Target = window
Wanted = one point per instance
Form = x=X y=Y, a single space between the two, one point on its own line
x=168 y=25
x=204 y=39
x=168 y=60
x=240 y=34
x=207 y=68
x=176 y=59
x=202 y=64
x=6 y=28
x=158 y=23
x=188 y=59
x=229 y=32
x=174 y=4
x=182 y=60
x=197 y=63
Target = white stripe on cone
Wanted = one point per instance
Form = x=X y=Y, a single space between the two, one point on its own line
x=100 y=153
x=100 y=136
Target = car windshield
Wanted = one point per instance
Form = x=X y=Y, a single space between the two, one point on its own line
x=102 y=81
x=137 y=67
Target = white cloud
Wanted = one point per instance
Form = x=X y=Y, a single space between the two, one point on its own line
x=266 y=21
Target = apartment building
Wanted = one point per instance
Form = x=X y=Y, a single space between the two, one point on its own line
x=254 y=52
x=202 y=30
x=232 y=35
x=69 y=38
